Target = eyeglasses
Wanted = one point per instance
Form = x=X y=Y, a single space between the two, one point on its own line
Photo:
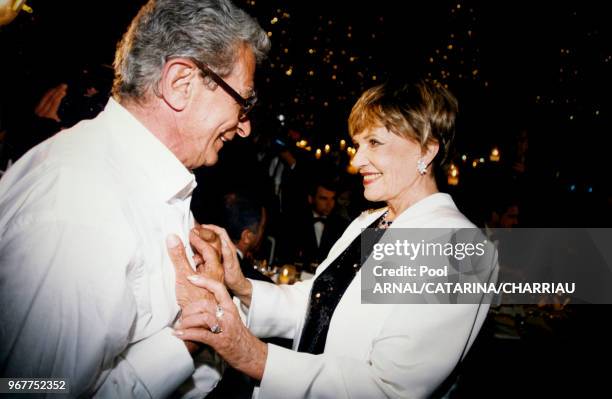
x=246 y=104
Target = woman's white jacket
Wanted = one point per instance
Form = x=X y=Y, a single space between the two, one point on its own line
x=372 y=350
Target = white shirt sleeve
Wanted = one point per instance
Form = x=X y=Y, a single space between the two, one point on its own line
x=406 y=360
x=276 y=310
x=68 y=311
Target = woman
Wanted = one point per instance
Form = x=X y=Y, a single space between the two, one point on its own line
x=346 y=348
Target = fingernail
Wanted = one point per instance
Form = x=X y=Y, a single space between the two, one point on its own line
x=195 y=231
x=172 y=241
x=194 y=278
x=179 y=333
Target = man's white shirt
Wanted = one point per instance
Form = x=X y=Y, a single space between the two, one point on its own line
x=319 y=226
x=86 y=285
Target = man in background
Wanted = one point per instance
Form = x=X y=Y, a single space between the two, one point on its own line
x=245 y=223
x=309 y=240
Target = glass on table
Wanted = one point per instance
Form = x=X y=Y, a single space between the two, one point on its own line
x=262 y=266
x=287 y=274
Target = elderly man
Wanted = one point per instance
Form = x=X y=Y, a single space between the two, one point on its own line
x=86 y=285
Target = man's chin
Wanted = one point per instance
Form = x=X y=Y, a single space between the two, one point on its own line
x=211 y=160
x=208 y=160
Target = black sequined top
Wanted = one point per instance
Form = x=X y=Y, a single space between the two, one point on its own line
x=327 y=290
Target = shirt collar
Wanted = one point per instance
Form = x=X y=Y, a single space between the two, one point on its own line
x=172 y=180
x=316 y=215
x=425 y=205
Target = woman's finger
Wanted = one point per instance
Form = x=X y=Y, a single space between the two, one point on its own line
x=197 y=261
x=200 y=320
x=197 y=335
x=226 y=252
x=201 y=306
x=217 y=288
x=220 y=231
x=228 y=249
x=207 y=235
x=203 y=247
x=211 y=257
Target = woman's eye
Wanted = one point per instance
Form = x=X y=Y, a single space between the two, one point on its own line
x=374 y=143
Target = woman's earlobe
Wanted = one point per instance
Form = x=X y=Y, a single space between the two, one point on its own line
x=422 y=166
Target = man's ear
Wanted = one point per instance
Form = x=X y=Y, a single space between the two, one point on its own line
x=176 y=84
x=246 y=237
x=310 y=199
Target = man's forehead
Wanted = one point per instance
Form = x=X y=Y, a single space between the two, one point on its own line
x=323 y=192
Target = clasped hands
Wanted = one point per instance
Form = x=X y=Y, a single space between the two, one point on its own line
x=209 y=315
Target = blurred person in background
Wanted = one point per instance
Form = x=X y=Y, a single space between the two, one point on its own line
x=245 y=224
x=308 y=237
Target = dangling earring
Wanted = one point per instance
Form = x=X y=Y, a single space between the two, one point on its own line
x=421 y=166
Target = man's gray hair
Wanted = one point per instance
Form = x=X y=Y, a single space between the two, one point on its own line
x=211 y=31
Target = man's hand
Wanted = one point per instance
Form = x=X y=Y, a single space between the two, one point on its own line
x=209 y=266
x=233 y=276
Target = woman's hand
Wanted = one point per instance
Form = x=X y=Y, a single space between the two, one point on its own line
x=208 y=254
x=234 y=279
x=231 y=339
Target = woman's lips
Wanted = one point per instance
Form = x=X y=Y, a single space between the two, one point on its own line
x=370 y=178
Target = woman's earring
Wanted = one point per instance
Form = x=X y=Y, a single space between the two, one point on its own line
x=421 y=166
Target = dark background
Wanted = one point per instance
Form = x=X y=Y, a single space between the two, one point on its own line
x=542 y=66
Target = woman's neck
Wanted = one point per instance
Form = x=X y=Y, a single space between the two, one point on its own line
x=405 y=200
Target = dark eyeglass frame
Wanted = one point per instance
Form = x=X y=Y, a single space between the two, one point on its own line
x=246 y=104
